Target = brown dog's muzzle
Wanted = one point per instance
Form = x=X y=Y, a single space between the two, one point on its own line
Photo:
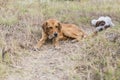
x=55 y=34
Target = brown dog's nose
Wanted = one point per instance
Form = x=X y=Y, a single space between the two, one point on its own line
x=55 y=34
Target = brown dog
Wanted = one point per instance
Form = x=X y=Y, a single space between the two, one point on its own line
x=53 y=29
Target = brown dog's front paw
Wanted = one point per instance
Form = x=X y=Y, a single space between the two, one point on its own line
x=73 y=41
x=57 y=47
x=36 y=48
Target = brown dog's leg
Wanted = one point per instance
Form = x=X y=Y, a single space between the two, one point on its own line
x=42 y=40
x=77 y=39
x=56 y=43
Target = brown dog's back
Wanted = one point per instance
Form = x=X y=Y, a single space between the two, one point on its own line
x=72 y=31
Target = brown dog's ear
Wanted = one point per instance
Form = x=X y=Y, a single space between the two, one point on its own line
x=59 y=26
x=44 y=26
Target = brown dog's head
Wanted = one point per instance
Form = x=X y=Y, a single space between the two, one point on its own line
x=52 y=28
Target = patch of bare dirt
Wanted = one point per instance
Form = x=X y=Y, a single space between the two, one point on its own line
x=46 y=64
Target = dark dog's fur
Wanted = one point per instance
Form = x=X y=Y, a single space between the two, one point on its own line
x=102 y=23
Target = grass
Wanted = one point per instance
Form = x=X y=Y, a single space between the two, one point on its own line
x=103 y=56
x=4 y=69
x=98 y=57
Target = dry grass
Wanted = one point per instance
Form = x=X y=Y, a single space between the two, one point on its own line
x=95 y=58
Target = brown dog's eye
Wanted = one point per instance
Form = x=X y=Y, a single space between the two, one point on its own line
x=50 y=27
x=56 y=26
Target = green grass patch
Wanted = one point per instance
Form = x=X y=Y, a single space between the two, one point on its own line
x=8 y=20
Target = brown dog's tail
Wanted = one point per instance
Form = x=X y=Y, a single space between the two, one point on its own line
x=93 y=34
x=85 y=35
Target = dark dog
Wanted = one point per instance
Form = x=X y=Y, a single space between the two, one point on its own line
x=102 y=23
